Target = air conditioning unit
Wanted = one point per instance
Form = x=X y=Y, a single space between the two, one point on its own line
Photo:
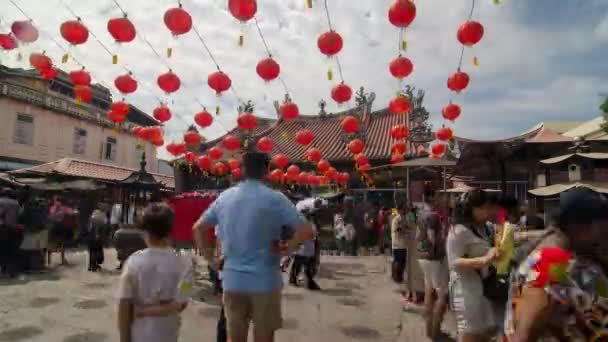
x=541 y=180
x=574 y=172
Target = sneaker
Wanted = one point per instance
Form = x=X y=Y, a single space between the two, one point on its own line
x=313 y=286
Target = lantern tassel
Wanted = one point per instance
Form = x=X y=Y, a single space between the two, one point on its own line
x=475 y=61
x=404 y=45
x=217 y=110
x=115 y=59
x=309 y=3
x=19 y=56
x=241 y=39
x=65 y=58
x=169 y=52
x=330 y=74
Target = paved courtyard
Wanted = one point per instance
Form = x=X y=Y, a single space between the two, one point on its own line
x=68 y=304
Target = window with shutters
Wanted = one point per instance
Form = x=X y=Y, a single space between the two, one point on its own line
x=80 y=141
x=24 y=129
x=110 y=149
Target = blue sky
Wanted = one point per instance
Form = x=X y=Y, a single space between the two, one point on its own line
x=539 y=59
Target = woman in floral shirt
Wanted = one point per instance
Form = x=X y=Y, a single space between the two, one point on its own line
x=560 y=292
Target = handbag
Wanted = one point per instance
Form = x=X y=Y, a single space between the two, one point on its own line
x=495 y=287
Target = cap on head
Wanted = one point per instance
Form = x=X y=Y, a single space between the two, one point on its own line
x=581 y=206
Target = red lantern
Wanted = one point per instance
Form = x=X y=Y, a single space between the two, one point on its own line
x=74 y=32
x=458 y=81
x=125 y=84
x=397 y=158
x=314 y=180
x=364 y=167
x=180 y=148
x=323 y=166
x=332 y=173
x=152 y=133
x=24 y=31
x=118 y=118
x=399 y=148
x=293 y=170
x=280 y=160
x=203 y=119
x=350 y=125
x=192 y=138
x=231 y=143
x=330 y=43
x=82 y=93
x=247 y=121
x=171 y=148
x=356 y=146
x=215 y=153
x=277 y=175
x=344 y=178
x=80 y=77
x=313 y=155
x=451 y=112
x=361 y=159
x=303 y=178
x=268 y=69
x=190 y=158
x=341 y=93
x=444 y=134
x=178 y=21
x=162 y=113
x=169 y=82
x=304 y=137
x=120 y=107
x=50 y=74
x=137 y=132
x=265 y=144
x=243 y=10
x=438 y=149
x=40 y=61
x=204 y=162
x=289 y=110
x=7 y=42
x=399 y=132
x=236 y=173
x=399 y=104
x=401 y=67
x=234 y=163
x=470 y=33
x=402 y=13
x=121 y=29
x=219 y=82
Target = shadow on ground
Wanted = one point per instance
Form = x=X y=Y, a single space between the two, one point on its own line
x=86 y=337
x=24 y=333
x=358 y=332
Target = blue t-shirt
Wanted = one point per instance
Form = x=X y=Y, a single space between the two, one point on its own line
x=249 y=218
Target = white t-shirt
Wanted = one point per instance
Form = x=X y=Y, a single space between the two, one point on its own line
x=150 y=276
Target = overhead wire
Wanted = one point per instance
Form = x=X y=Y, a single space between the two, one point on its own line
x=332 y=29
x=259 y=29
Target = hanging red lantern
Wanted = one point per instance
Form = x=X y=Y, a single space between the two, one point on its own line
x=438 y=149
x=265 y=144
x=444 y=134
x=7 y=42
x=215 y=153
x=247 y=121
x=277 y=175
x=451 y=112
x=356 y=146
x=119 y=117
x=74 y=32
x=458 y=81
x=51 y=73
x=125 y=84
x=152 y=133
x=180 y=148
x=303 y=178
x=243 y=10
x=120 y=107
x=332 y=173
x=40 y=61
x=289 y=110
x=190 y=157
x=236 y=173
x=397 y=158
x=470 y=33
x=219 y=82
x=192 y=138
x=280 y=160
x=330 y=43
x=268 y=69
x=162 y=113
x=171 y=148
x=341 y=93
x=80 y=77
x=24 y=31
x=304 y=137
x=234 y=163
x=137 y=131
x=399 y=148
x=169 y=82
x=204 y=162
x=203 y=119
x=178 y=21
x=314 y=180
x=401 y=67
x=293 y=170
x=344 y=178
x=399 y=132
x=82 y=93
x=231 y=143
x=402 y=13
x=364 y=167
x=350 y=125
x=361 y=159
x=323 y=166
x=399 y=104
x=121 y=29
x=313 y=155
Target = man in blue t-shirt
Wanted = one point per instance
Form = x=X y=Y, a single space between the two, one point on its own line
x=250 y=220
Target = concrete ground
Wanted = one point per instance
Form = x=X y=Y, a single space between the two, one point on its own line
x=69 y=304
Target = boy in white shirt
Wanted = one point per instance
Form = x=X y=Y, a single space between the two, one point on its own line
x=155 y=284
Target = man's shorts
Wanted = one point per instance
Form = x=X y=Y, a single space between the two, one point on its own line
x=436 y=275
x=261 y=309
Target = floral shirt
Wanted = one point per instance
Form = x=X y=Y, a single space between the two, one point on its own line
x=578 y=287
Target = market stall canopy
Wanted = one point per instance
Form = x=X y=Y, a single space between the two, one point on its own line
x=559 y=159
x=556 y=189
x=417 y=162
x=78 y=185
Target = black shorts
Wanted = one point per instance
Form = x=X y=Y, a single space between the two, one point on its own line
x=399 y=264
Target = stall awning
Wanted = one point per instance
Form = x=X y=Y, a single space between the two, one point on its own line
x=559 y=159
x=556 y=189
